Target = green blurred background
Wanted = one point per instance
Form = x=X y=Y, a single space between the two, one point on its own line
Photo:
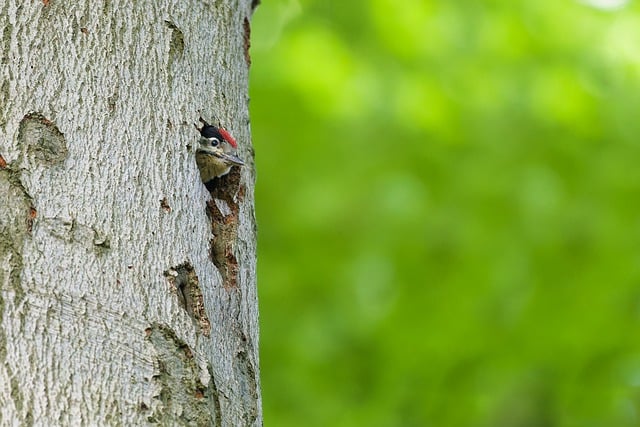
x=448 y=203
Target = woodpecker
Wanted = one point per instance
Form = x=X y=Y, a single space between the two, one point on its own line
x=215 y=155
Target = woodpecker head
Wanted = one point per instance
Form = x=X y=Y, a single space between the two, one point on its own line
x=215 y=154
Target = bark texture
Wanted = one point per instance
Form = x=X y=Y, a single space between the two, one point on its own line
x=127 y=288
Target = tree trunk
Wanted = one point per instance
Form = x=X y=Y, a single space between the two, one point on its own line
x=127 y=289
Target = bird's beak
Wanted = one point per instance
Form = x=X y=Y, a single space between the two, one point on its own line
x=218 y=152
x=231 y=159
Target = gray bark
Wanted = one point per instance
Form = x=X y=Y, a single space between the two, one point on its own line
x=127 y=289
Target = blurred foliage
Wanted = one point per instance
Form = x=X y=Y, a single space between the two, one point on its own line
x=448 y=203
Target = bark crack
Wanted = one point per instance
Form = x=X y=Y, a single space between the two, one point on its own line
x=184 y=283
x=222 y=209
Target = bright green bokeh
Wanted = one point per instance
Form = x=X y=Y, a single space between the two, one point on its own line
x=448 y=203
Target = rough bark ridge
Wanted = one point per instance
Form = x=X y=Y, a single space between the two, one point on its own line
x=127 y=294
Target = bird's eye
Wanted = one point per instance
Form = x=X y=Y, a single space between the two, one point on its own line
x=215 y=142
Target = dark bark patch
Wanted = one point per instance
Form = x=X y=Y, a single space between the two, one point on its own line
x=184 y=283
x=222 y=210
x=112 y=102
x=183 y=398
x=246 y=377
x=176 y=49
x=16 y=220
x=33 y=213
x=4 y=86
x=164 y=204
x=247 y=41
x=42 y=140
x=176 y=45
